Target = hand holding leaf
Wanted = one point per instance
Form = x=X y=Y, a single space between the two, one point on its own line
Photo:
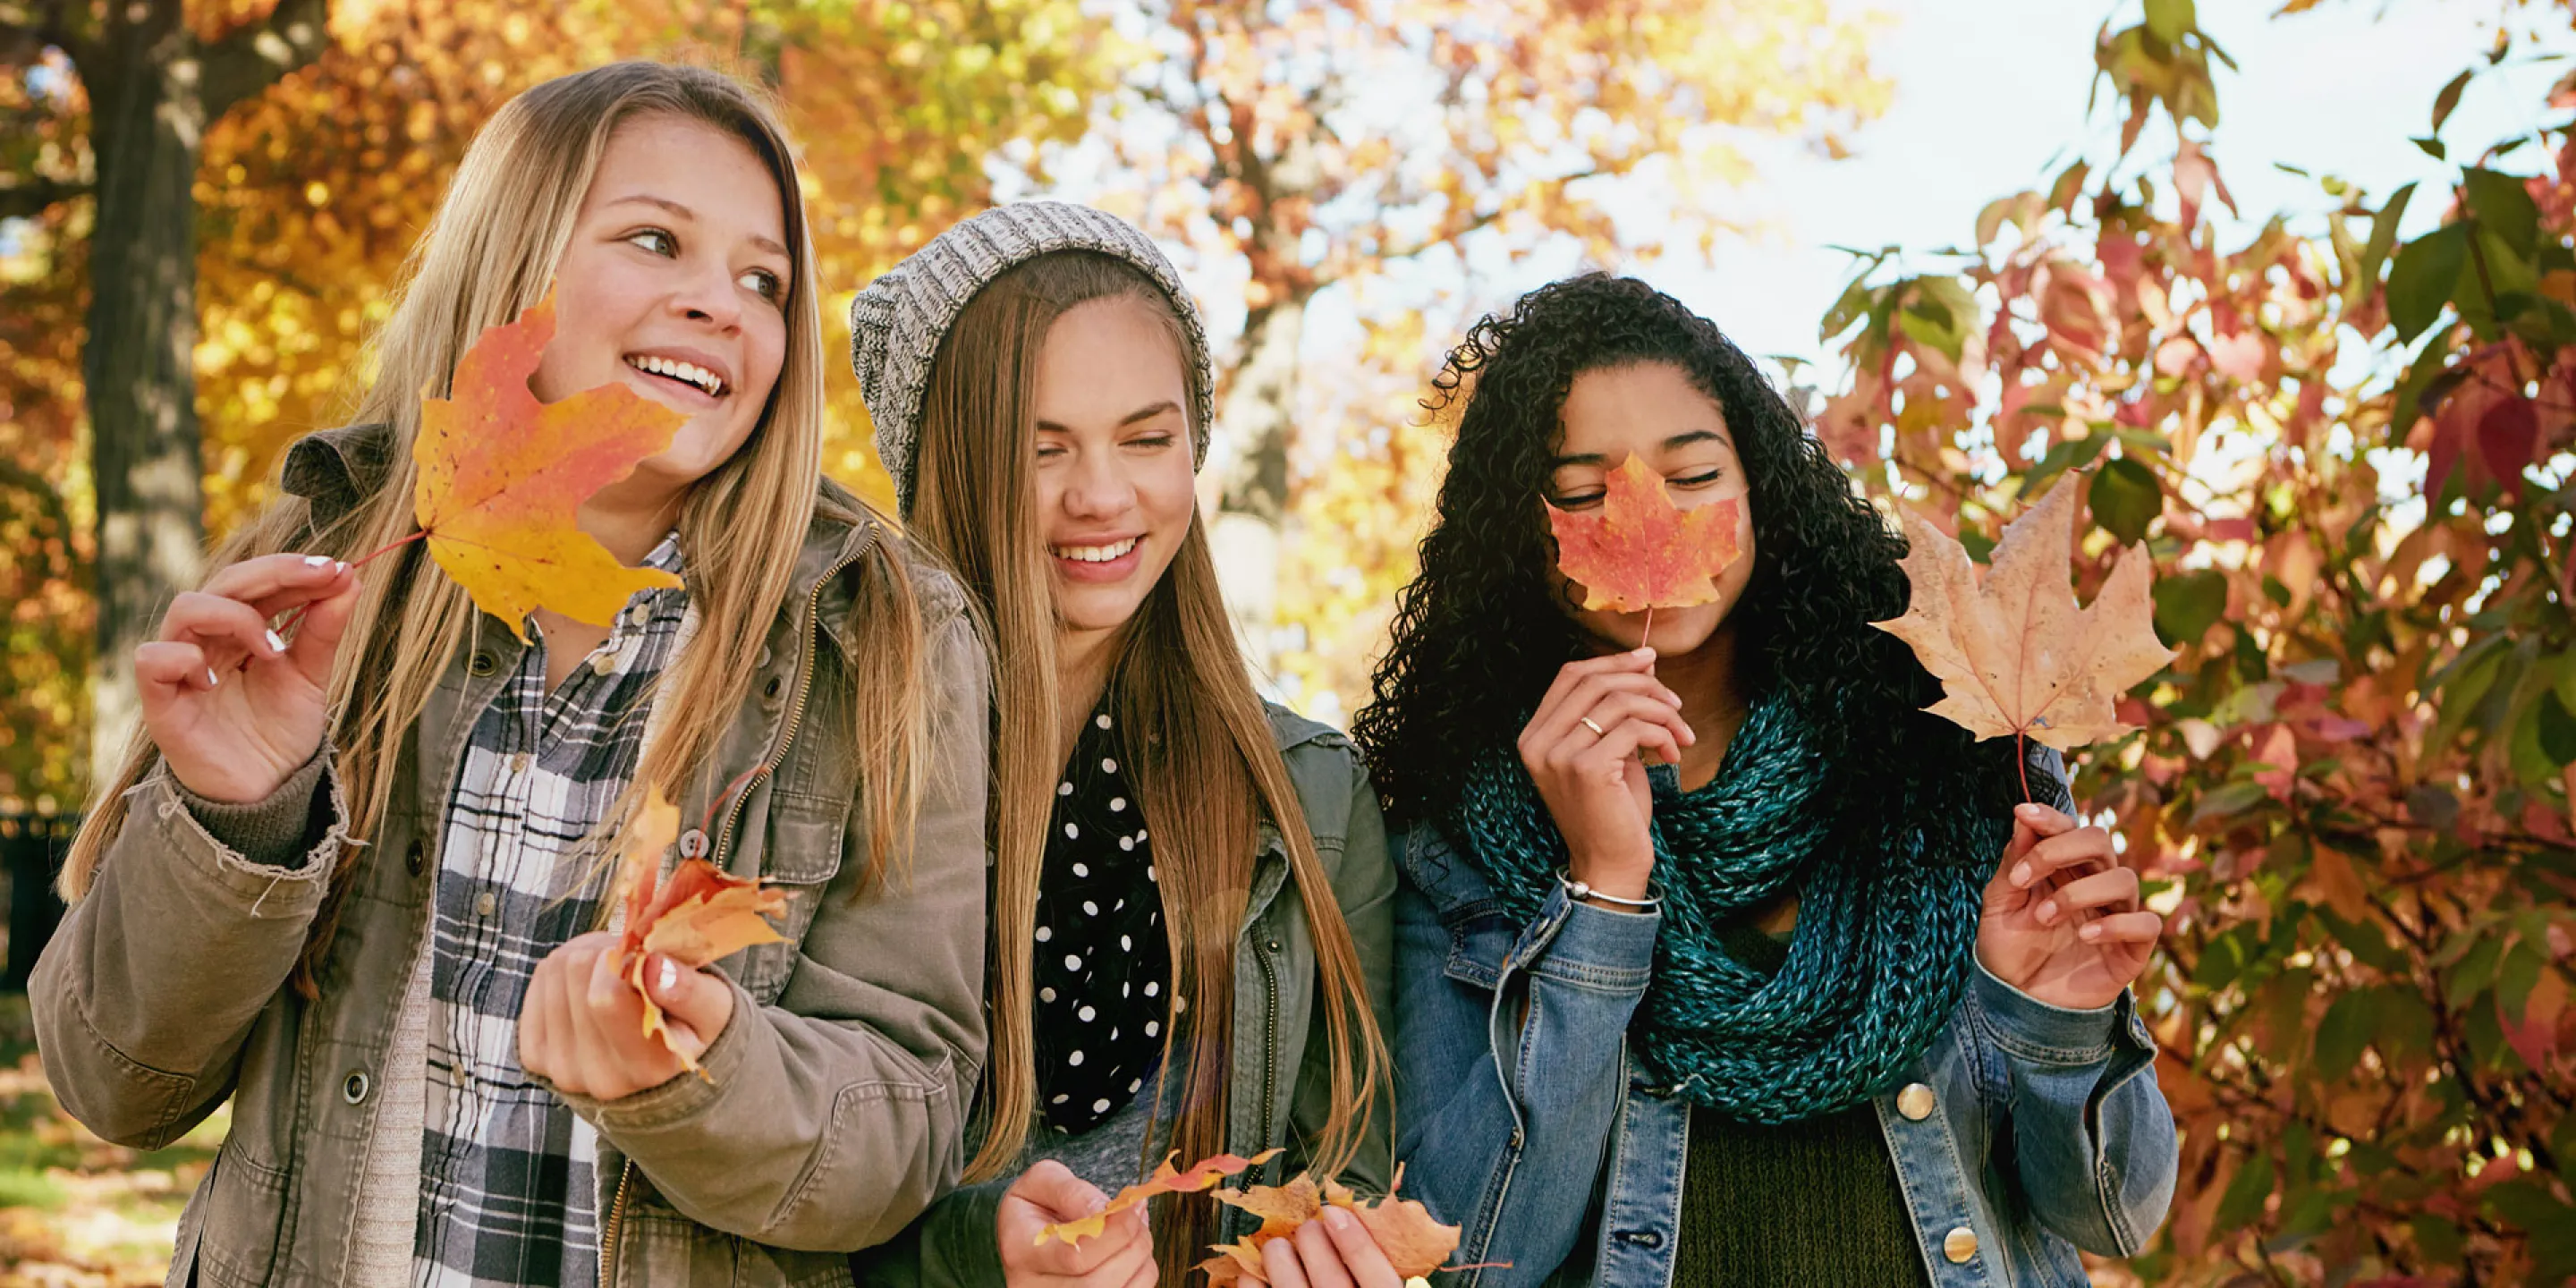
x=1413 y=1243
x=698 y=917
x=1201 y=1175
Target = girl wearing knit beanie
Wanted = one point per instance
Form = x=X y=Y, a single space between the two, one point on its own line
x=1812 y=1000
x=1191 y=931
x=344 y=880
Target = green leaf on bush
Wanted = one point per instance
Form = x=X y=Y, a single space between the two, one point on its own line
x=2125 y=498
x=2422 y=281
x=2342 y=1034
x=2504 y=207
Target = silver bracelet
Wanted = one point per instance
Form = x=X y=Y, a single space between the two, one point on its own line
x=1580 y=890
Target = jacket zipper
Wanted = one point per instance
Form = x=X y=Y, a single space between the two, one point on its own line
x=1270 y=1039
x=786 y=738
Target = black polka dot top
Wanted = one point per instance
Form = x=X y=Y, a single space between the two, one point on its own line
x=1104 y=962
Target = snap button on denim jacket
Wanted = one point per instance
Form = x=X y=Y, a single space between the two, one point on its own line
x=1523 y=1120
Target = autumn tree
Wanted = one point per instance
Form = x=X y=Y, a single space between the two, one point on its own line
x=308 y=196
x=149 y=78
x=2350 y=455
x=1318 y=145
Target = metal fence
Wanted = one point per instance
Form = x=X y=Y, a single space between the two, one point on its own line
x=32 y=847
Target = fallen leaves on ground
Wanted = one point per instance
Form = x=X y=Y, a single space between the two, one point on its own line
x=2014 y=652
x=1641 y=551
x=502 y=478
x=1413 y=1243
x=699 y=916
x=1201 y=1175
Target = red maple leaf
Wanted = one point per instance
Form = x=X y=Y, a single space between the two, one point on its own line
x=1642 y=551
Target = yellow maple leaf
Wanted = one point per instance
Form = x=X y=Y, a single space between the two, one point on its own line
x=502 y=478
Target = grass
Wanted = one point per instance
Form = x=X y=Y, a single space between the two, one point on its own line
x=76 y=1211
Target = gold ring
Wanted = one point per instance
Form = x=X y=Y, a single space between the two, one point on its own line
x=1597 y=731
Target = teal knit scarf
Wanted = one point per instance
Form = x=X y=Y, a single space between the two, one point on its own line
x=1888 y=886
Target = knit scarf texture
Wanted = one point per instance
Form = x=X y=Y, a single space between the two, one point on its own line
x=1889 y=883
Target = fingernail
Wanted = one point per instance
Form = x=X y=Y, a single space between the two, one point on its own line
x=317 y=561
x=2047 y=914
x=343 y=567
x=1645 y=650
x=2031 y=812
x=1338 y=1219
x=211 y=678
x=2021 y=874
x=670 y=975
x=2092 y=930
x=276 y=643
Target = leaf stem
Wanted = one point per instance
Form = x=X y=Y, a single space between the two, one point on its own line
x=2021 y=761
x=287 y=623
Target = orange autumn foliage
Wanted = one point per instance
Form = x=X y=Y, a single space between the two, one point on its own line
x=1200 y=1175
x=1642 y=551
x=503 y=477
x=701 y=915
x=1414 y=1244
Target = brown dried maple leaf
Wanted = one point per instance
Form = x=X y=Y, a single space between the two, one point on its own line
x=1413 y=1243
x=1642 y=551
x=1200 y=1175
x=2014 y=652
x=701 y=915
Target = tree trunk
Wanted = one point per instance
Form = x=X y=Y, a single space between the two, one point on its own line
x=147 y=124
x=1259 y=417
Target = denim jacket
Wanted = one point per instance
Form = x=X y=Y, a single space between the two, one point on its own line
x=2025 y=1132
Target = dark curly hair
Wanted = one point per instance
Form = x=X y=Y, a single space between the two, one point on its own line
x=1481 y=632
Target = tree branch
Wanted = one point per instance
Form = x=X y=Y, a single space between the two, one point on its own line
x=257 y=56
x=23 y=197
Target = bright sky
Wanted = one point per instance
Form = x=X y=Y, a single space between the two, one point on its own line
x=1989 y=93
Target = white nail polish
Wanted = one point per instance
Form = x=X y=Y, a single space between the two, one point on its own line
x=211 y=678
x=670 y=974
x=317 y=561
x=276 y=642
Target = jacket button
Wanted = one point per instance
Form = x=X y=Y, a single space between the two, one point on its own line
x=482 y=663
x=771 y=689
x=485 y=904
x=693 y=844
x=354 y=1087
x=1959 y=1245
x=1916 y=1102
x=415 y=856
x=1274 y=946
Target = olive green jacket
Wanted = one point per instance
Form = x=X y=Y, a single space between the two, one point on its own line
x=1282 y=1087
x=835 y=1103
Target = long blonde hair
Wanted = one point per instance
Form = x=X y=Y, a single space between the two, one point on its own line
x=490 y=253
x=1198 y=739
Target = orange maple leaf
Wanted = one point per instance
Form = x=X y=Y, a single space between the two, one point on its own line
x=1414 y=1244
x=2013 y=651
x=502 y=477
x=1201 y=1175
x=1642 y=551
x=701 y=915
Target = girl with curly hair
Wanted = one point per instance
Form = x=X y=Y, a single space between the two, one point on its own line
x=1718 y=959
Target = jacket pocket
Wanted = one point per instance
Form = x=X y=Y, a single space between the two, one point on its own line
x=239 y=1209
x=805 y=852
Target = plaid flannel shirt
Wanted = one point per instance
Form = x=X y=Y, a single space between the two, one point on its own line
x=506 y=1168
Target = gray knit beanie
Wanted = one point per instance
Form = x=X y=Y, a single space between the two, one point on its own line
x=898 y=323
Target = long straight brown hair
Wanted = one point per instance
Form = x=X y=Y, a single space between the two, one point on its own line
x=490 y=253
x=1207 y=768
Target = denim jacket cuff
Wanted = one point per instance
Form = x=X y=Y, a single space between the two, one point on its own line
x=1596 y=946
x=2031 y=1029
